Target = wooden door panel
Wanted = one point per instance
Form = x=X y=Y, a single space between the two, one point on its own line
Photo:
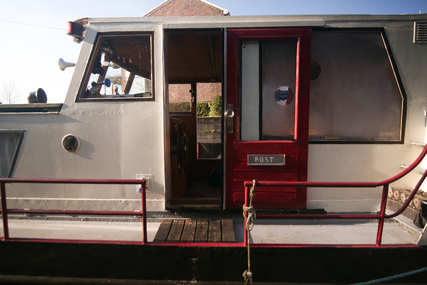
x=244 y=141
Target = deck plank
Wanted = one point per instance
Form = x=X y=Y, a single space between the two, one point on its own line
x=201 y=231
x=228 y=234
x=176 y=231
x=189 y=231
x=214 y=233
x=163 y=231
x=196 y=231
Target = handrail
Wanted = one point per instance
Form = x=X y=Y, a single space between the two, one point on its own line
x=381 y=216
x=73 y=181
x=343 y=184
x=5 y=211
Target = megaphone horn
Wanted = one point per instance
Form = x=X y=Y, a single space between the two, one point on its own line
x=106 y=82
x=63 y=64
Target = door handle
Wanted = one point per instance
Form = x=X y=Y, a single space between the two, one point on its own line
x=229 y=118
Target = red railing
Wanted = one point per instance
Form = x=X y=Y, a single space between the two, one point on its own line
x=381 y=216
x=5 y=211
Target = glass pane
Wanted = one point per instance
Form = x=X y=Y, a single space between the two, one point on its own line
x=278 y=85
x=180 y=98
x=122 y=68
x=209 y=112
x=9 y=140
x=268 y=86
x=354 y=92
x=249 y=97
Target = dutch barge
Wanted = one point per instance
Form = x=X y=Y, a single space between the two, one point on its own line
x=323 y=115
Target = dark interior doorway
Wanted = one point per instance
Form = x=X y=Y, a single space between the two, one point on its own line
x=194 y=73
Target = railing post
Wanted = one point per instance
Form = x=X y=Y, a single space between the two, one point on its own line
x=4 y=211
x=245 y=214
x=144 y=212
x=382 y=214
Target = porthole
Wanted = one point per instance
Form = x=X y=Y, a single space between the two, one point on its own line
x=70 y=143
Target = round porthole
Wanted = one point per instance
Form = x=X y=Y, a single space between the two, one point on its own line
x=70 y=143
x=315 y=70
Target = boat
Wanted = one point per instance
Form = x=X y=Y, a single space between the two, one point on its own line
x=322 y=116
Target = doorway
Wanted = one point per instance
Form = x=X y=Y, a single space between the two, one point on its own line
x=194 y=76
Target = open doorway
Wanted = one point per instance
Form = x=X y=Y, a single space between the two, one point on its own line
x=194 y=75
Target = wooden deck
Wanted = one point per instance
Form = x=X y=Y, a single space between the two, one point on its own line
x=196 y=231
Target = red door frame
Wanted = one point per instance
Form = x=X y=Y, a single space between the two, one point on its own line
x=296 y=151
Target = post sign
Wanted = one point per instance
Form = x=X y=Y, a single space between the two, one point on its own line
x=266 y=159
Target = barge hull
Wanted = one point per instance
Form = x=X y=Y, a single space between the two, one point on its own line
x=213 y=264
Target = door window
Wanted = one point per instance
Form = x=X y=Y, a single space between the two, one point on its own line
x=268 y=88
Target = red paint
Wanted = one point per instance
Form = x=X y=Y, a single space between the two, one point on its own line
x=382 y=214
x=296 y=151
x=144 y=212
x=245 y=233
x=4 y=213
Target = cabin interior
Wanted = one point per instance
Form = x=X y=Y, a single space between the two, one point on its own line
x=195 y=74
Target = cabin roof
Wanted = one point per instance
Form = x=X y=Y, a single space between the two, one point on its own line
x=256 y=21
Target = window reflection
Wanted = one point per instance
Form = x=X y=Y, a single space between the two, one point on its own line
x=121 y=68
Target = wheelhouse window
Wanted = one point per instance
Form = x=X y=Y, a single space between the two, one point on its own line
x=355 y=94
x=121 y=67
x=10 y=140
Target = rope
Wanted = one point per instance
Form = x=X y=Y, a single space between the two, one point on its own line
x=394 y=277
x=249 y=214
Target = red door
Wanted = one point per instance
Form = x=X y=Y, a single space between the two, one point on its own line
x=266 y=116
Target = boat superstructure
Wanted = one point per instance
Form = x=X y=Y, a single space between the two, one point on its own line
x=190 y=112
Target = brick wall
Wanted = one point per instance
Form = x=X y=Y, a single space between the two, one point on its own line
x=205 y=92
x=186 y=8
x=179 y=93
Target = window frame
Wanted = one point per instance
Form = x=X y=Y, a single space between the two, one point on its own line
x=20 y=133
x=398 y=81
x=91 y=62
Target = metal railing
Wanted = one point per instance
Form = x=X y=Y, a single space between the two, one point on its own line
x=5 y=211
x=381 y=216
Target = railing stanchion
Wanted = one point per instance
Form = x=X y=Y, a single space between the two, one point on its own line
x=245 y=214
x=382 y=214
x=4 y=211
x=144 y=212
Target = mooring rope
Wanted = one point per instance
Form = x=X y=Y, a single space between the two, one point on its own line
x=249 y=214
x=394 y=277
